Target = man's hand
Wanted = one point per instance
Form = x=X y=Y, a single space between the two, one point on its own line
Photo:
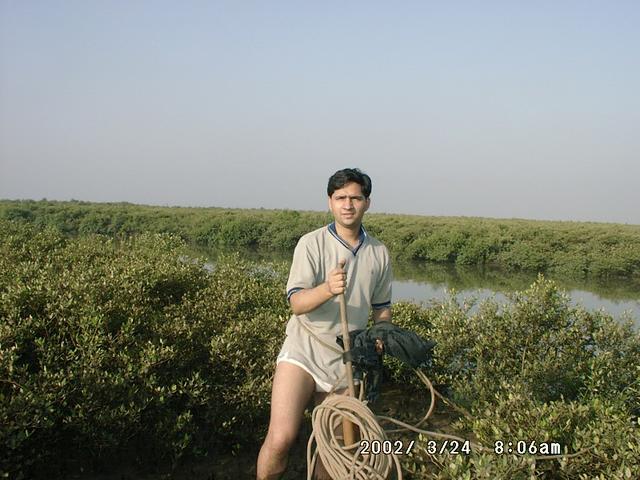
x=308 y=299
x=337 y=279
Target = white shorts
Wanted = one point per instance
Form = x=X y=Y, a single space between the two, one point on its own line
x=321 y=385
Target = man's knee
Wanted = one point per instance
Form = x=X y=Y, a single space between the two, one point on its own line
x=280 y=442
x=272 y=460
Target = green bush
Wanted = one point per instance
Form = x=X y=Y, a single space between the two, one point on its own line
x=128 y=349
x=536 y=370
x=605 y=440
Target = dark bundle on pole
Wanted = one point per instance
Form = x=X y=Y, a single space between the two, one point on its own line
x=365 y=353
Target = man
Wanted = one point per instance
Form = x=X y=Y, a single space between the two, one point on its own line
x=339 y=258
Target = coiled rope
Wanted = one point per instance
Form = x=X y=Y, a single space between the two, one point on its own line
x=348 y=462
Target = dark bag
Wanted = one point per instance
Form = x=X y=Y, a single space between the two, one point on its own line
x=398 y=342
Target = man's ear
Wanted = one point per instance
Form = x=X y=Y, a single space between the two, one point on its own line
x=368 y=204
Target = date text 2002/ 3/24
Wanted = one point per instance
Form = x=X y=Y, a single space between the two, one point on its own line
x=451 y=447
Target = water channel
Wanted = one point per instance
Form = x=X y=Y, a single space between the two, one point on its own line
x=422 y=283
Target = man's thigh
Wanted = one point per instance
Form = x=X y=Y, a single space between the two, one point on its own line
x=318 y=397
x=292 y=390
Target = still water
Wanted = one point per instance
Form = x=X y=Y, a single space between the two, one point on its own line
x=424 y=292
x=423 y=283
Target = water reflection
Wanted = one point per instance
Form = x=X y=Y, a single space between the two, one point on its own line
x=422 y=282
x=472 y=278
x=426 y=282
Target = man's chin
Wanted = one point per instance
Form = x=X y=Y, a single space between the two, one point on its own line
x=349 y=222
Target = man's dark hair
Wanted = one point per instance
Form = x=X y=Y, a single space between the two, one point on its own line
x=344 y=176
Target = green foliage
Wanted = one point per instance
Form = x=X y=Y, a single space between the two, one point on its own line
x=112 y=349
x=565 y=248
x=605 y=442
x=536 y=370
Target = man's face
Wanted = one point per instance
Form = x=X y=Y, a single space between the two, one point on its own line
x=348 y=205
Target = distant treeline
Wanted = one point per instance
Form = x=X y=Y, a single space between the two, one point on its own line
x=567 y=248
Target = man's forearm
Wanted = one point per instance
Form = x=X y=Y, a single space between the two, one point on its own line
x=308 y=299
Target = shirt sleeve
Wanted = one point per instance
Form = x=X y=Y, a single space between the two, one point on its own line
x=382 y=291
x=303 y=269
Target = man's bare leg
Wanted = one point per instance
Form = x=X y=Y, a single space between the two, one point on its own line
x=291 y=392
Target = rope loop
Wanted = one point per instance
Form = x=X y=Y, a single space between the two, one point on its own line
x=348 y=462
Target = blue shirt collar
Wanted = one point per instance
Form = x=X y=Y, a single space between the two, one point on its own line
x=361 y=237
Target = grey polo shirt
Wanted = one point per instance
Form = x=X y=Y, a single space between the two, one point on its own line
x=369 y=278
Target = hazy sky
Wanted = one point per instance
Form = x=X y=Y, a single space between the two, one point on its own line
x=478 y=108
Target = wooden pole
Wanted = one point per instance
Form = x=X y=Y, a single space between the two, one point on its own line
x=348 y=428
